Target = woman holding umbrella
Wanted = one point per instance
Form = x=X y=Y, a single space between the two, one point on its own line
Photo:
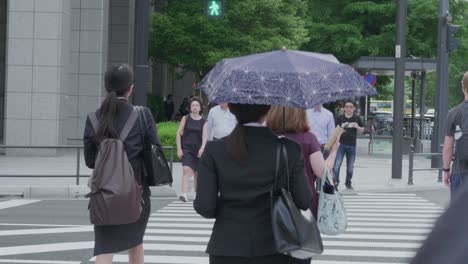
x=235 y=179
x=237 y=173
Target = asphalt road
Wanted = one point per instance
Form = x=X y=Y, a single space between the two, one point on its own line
x=383 y=228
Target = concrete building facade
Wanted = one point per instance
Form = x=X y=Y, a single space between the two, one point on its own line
x=53 y=54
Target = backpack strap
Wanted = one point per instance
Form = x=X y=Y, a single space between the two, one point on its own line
x=94 y=121
x=129 y=124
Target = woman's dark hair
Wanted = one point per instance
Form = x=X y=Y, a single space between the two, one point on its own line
x=244 y=113
x=195 y=99
x=117 y=81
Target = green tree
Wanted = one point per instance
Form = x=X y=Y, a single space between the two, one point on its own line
x=350 y=29
x=183 y=36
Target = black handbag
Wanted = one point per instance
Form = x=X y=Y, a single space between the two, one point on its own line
x=158 y=172
x=296 y=233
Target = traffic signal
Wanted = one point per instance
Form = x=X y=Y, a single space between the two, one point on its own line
x=214 y=9
x=452 y=41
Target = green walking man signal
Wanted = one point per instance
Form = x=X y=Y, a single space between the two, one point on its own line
x=214 y=8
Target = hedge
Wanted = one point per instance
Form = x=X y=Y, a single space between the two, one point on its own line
x=167 y=132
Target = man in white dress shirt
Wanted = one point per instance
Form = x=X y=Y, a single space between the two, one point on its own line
x=221 y=122
x=322 y=123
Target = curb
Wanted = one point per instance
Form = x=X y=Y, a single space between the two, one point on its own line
x=67 y=192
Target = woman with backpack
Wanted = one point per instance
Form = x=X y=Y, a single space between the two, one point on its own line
x=191 y=141
x=113 y=117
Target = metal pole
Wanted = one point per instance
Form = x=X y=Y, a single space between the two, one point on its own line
x=172 y=160
x=399 y=95
x=413 y=106
x=422 y=105
x=78 y=159
x=441 y=100
x=141 y=68
x=410 y=169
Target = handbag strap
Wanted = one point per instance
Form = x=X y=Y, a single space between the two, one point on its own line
x=142 y=119
x=281 y=149
x=286 y=164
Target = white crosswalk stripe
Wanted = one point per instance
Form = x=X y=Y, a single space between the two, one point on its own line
x=384 y=228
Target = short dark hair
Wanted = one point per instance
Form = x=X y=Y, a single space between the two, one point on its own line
x=196 y=99
x=349 y=101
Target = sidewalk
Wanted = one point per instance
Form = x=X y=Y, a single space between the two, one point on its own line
x=371 y=173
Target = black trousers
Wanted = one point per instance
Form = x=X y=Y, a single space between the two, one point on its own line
x=273 y=259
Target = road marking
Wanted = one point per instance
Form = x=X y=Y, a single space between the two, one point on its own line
x=391 y=219
x=326 y=242
x=43 y=248
x=368 y=253
x=16 y=203
x=403 y=203
x=348 y=262
x=40 y=225
x=19 y=261
x=178 y=219
x=193 y=215
x=383 y=237
x=419 y=207
x=186 y=225
x=46 y=231
x=389 y=214
x=327 y=252
x=164 y=259
x=380 y=224
x=178 y=231
x=204 y=239
x=419 y=211
x=387 y=194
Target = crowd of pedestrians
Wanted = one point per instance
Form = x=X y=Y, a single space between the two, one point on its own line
x=231 y=156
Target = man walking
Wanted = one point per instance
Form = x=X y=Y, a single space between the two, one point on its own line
x=221 y=122
x=351 y=124
x=322 y=124
x=457 y=132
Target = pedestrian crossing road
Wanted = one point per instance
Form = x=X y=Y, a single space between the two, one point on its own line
x=384 y=228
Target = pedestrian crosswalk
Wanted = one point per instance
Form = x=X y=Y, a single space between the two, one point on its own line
x=384 y=228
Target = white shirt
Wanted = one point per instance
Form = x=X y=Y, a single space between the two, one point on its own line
x=220 y=123
x=322 y=124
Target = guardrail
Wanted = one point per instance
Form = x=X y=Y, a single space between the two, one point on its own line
x=78 y=161
x=411 y=168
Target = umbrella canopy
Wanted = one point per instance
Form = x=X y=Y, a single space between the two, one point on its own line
x=286 y=77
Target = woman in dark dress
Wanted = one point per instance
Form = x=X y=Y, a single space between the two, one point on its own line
x=297 y=128
x=191 y=141
x=112 y=116
x=237 y=174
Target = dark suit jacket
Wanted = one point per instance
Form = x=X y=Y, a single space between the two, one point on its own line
x=448 y=241
x=133 y=143
x=238 y=194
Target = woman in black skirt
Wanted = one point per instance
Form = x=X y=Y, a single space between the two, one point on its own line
x=191 y=140
x=112 y=115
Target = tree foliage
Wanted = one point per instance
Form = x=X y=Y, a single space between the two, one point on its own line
x=183 y=36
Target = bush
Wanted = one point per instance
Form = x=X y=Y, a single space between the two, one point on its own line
x=167 y=133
